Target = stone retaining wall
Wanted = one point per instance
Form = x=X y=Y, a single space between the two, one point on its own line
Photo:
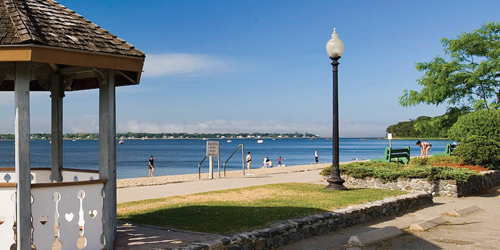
x=489 y=179
x=285 y=232
x=449 y=188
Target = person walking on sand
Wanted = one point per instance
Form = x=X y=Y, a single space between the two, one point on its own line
x=316 y=156
x=279 y=161
x=424 y=148
x=249 y=160
x=151 y=166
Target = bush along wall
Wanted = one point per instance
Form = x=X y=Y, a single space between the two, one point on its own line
x=448 y=188
x=440 y=181
x=479 y=137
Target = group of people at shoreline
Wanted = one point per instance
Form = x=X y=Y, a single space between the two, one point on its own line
x=267 y=163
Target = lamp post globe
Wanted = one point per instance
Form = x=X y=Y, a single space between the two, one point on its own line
x=335 y=48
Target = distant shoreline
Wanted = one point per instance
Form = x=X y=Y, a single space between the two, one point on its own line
x=262 y=138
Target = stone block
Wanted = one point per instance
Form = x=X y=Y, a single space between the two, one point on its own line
x=464 y=211
x=427 y=224
x=374 y=236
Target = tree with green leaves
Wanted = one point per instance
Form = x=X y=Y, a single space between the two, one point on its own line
x=470 y=79
x=427 y=127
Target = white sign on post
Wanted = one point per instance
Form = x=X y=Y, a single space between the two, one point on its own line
x=389 y=136
x=213 y=148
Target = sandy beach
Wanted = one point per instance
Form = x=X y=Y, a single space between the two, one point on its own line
x=161 y=180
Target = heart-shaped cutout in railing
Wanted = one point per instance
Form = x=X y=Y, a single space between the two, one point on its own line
x=93 y=213
x=69 y=216
x=44 y=219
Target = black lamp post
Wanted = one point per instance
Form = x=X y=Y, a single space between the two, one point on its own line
x=334 y=48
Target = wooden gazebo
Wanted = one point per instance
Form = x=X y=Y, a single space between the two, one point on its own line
x=45 y=46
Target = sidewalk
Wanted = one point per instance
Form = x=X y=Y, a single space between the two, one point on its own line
x=479 y=230
x=200 y=186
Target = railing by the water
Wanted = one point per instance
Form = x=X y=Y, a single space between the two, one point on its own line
x=199 y=167
x=242 y=158
x=65 y=215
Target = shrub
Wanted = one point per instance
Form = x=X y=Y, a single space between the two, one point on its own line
x=392 y=171
x=479 y=134
x=434 y=160
x=484 y=123
x=478 y=150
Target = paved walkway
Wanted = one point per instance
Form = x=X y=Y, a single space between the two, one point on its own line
x=479 y=230
x=199 y=186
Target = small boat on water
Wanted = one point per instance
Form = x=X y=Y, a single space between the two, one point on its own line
x=229 y=141
x=121 y=141
x=260 y=141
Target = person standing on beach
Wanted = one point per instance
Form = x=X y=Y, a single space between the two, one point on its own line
x=316 y=156
x=249 y=160
x=424 y=148
x=151 y=166
x=279 y=161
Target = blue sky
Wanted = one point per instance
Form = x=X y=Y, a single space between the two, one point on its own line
x=261 y=66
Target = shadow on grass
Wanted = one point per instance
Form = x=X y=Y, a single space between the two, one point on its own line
x=219 y=219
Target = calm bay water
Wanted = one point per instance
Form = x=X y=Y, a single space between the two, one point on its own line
x=173 y=157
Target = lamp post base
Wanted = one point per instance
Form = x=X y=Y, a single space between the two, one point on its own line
x=335 y=184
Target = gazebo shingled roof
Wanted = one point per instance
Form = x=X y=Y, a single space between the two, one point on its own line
x=45 y=31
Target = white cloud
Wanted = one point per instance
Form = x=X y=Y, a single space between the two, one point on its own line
x=83 y=124
x=90 y=124
x=347 y=128
x=5 y=128
x=185 y=64
x=7 y=99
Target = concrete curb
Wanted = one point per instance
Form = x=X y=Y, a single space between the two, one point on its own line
x=464 y=211
x=427 y=224
x=374 y=236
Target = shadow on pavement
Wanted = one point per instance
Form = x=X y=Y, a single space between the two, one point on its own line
x=142 y=237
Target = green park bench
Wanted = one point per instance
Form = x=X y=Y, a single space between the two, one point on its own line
x=395 y=155
x=447 y=152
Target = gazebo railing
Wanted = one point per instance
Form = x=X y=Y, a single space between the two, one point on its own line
x=65 y=215
x=7 y=214
x=43 y=175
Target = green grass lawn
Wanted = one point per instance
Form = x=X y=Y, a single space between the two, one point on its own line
x=243 y=209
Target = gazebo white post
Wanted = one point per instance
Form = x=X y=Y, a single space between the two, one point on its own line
x=22 y=154
x=107 y=153
x=57 y=94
